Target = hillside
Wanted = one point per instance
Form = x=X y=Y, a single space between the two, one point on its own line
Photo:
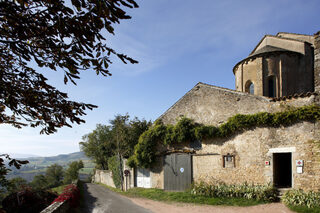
x=38 y=165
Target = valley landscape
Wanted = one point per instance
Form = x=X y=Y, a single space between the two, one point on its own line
x=38 y=165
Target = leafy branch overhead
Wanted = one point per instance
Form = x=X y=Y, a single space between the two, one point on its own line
x=186 y=130
x=4 y=170
x=57 y=35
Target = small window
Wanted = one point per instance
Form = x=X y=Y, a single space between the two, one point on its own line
x=196 y=144
x=228 y=161
x=272 y=87
x=250 y=87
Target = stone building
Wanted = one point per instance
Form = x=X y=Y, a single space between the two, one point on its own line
x=282 y=71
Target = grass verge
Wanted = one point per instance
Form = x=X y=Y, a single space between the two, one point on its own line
x=304 y=209
x=185 y=197
x=58 y=189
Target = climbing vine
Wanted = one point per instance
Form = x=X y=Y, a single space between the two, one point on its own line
x=145 y=151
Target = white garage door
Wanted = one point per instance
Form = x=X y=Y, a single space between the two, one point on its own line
x=143 y=178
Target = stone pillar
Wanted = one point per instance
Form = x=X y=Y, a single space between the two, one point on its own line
x=317 y=62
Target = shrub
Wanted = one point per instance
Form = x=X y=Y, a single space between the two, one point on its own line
x=71 y=194
x=113 y=165
x=300 y=198
x=28 y=201
x=249 y=191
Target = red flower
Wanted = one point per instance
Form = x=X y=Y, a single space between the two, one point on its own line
x=71 y=194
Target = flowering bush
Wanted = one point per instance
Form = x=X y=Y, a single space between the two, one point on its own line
x=71 y=194
x=28 y=201
x=249 y=191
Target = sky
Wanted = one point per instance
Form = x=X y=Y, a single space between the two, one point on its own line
x=178 y=44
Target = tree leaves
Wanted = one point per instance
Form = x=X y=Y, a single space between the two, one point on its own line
x=57 y=36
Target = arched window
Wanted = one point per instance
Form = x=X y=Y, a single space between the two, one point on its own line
x=272 y=87
x=250 y=87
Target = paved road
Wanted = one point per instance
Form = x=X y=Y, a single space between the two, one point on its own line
x=100 y=200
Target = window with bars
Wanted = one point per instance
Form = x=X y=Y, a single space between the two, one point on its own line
x=228 y=161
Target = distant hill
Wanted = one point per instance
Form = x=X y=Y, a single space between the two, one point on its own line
x=63 y=159
x=38 y=165
x=18 y=155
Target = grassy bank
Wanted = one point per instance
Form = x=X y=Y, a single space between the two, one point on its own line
x=58 y=189
x=304 y=209
x=185 y=197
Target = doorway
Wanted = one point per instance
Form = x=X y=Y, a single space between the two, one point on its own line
x=282 y=170
x=177 y=172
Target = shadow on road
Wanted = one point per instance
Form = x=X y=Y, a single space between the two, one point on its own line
x=88 y=199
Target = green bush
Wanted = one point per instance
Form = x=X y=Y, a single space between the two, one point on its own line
x=300 y=198
x=249 y=191
x=113 y=165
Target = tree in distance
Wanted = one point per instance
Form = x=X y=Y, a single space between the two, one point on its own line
x=108 y=140
x=72 y=172
x=16 y=184
x=39 y=182
x=55 y=35
x=54 y=175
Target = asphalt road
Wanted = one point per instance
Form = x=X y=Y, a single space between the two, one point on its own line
x=99 y=199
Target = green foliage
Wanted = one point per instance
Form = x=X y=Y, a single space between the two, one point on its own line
x=119 y=138
x=72 y=171
x=265 y=193
x=63 y=36
x=114 y=166
x=4 y=170
x=54 y=175
x=99 y=145
x=186 y=130
x=309 y=199
x=39 y=182
x=16 y=184
x=58 y=189
x=186 y=197
x=304 y=209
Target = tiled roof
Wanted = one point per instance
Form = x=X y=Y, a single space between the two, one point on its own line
x=302 y=95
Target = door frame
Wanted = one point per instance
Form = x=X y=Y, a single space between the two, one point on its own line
x=291 y=150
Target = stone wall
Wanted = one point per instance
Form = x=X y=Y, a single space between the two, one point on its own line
x=57 y=207
x=252 y=148
x=156 y=174
x=105 y=177
x=293 y=73
x=317 y=62
x=212 y=105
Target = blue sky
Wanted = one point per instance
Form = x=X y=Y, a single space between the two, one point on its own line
x=178 y=44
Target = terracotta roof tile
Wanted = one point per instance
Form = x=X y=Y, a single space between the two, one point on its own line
x=302 y=95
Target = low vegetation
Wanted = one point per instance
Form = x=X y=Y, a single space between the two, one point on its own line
x=28 y=200
x=266 y=193
x=71 y=194
x=301 y=201
x=186 y=197
x=185 y=130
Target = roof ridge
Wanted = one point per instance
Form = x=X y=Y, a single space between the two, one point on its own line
x=293 y=33
x=216 y=87
x=274 y=36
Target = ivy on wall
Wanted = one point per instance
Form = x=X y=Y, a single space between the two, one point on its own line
x=187 y=130
x=113 y=165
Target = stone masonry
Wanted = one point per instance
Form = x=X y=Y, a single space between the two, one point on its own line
x=254 y=150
